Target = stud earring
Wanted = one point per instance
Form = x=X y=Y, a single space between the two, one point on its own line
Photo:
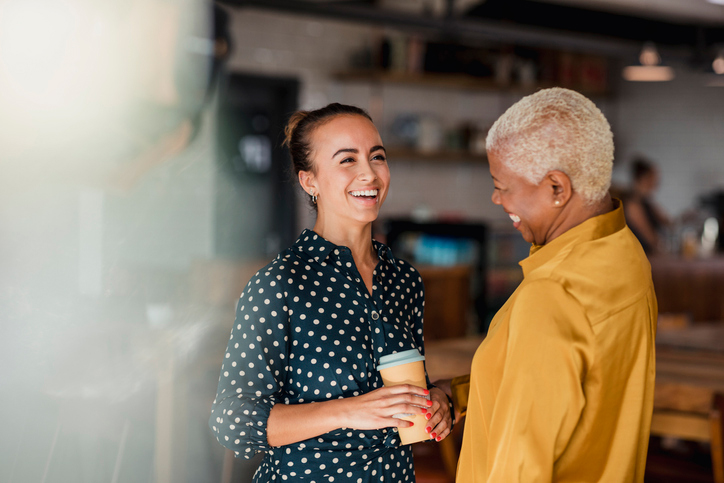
x=557 y=202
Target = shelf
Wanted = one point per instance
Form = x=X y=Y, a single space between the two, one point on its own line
x=401 y=153
x=450 y=81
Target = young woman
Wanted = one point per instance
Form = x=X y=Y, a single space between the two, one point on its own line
x=299 y=379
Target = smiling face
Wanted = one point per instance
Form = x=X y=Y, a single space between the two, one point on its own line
x=528 y=205
x=350 y=175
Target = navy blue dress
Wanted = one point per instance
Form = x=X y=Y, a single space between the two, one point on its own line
x=307 y=330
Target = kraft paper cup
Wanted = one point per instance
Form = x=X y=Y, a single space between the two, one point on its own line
x=406 y=367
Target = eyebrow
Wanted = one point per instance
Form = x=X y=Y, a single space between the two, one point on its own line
x=355 y=151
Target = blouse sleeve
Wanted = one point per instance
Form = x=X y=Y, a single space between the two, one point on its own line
x=541 y=394
x=254 y=368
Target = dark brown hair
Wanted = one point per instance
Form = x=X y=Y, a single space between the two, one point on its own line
x=297 y=134
x=641 y=167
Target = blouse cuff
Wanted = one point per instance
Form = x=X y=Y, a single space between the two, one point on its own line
x=257 y=423
x=460 y=388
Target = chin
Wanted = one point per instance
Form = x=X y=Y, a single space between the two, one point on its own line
x=528 y=238
x=367 y=218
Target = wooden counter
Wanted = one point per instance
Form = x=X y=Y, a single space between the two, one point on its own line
x=694 y=287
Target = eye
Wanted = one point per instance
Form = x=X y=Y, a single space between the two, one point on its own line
x=379 y=157
x=347 y=160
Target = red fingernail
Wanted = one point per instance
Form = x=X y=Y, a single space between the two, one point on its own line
x=439 y=438
x=428 y=415
x=428 y=429
x=427 y=392
x=433 y=435
x=429 y=403
x=424 y=410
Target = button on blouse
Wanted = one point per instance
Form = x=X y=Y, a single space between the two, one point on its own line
x=307 y=329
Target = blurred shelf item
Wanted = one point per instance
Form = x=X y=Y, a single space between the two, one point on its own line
x=403 y=153
x=447 y=300
x=446 y=81
x=465 y=82
x=451 y=260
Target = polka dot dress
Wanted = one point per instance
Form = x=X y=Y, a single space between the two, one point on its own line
x=306 y=330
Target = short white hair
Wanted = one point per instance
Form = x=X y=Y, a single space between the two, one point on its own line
x=556 y=129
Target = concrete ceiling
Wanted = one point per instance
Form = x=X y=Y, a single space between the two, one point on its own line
x=692 y=28
x=677 y=11
x=690 y=24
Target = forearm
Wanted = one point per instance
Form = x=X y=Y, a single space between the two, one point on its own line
x=292 y=423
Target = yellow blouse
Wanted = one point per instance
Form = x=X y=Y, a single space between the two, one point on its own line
x=562 y=387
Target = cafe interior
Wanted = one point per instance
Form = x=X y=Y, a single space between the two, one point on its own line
x=144 y=182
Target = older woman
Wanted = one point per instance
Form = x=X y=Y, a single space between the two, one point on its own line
x=561 y=389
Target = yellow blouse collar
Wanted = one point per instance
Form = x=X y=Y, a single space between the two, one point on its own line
x=591 y=229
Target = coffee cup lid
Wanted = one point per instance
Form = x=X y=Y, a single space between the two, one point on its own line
x=398 y=358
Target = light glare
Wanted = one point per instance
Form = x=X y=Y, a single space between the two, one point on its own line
x=648 y=73
x=718 y=64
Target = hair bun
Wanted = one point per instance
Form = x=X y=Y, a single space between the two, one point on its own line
x=291 y=126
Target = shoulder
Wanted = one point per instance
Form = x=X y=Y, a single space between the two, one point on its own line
x=407 y=273
x=406 y=267
x=603 y=276
x=545 y=307
x=277 y=272
x=544 y=295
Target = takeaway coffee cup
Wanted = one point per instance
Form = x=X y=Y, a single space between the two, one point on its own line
x=407 y=367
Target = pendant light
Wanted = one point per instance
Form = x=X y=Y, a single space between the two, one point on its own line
x=649 y=70
x=717 y=78
x=718 y=64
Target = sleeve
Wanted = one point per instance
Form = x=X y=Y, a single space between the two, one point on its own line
x=540 y=400
x=460 y=388
x=254 y=368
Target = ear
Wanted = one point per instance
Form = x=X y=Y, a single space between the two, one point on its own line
x=308 y=182
x=561 y=188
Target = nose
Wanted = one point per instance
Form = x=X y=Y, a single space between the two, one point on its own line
x=366 y=172
x=496 y=197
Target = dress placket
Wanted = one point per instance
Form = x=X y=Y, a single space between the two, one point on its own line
x=346 y=266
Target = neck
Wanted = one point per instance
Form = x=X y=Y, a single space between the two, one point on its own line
x=356 y=237
x=576 y=212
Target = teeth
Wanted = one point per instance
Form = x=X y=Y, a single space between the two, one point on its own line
x=364 y=193
x=513 y=217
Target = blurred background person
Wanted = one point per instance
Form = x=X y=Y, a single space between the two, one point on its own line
x=644 y=216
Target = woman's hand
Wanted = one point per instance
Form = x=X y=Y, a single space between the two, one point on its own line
x=439 y=422
x=375 y=409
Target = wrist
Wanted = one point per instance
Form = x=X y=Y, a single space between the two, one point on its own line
x=339 y=412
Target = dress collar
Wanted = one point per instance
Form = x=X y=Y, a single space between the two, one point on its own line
x=592 y=229
x=319 y=249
